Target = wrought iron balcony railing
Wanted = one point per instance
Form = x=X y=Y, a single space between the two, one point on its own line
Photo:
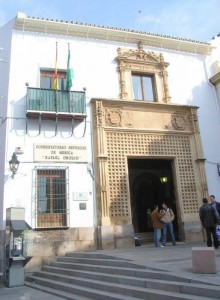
x=53 y=102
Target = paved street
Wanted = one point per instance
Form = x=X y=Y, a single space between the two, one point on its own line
x=175 y=260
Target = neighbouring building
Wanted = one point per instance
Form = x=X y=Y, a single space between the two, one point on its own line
x=138 y=125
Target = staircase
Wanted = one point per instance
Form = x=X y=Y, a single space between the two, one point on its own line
x=83 y=276
x=145 y=237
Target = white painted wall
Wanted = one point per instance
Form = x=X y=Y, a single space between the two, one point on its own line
x=95 y=68
x=211 y=124
x=29 y=53
x=5 y=44
x=189 y=85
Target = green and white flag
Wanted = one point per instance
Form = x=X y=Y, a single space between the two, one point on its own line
x=69 y=79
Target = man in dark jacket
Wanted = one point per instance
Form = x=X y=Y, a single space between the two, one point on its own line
x=216 y=206
x=209 y=219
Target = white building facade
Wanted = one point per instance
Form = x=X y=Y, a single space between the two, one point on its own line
x=64 y=139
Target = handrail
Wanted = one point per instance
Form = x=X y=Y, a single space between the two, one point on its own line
x=56 y=101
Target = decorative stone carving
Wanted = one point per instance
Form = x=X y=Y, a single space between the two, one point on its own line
x=128 y=119
x=178 y=122
x=140 y=54
x=141 y=61
x=194 y=120
x=99 y=113
x=167 y=97
x=113 y=117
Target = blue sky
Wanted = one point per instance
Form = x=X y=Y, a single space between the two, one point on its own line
x=191 y=19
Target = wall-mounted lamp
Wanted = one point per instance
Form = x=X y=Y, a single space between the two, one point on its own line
x=14 y=164
x=218 y=168
x=163 y=179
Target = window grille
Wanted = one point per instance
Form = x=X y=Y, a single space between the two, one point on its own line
x=51 y=197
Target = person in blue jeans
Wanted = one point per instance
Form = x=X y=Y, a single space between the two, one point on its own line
x=209 y=219
x=167 y=216
x=157 y=225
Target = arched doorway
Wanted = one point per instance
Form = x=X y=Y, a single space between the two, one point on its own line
x=147 y=190
x=145 y=193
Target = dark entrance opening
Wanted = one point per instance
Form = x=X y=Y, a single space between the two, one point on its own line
x=151 y=182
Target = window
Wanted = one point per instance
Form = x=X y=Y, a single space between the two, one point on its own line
x=47 y=79
x=51 y=197
x=143 y=75
x=143 y=87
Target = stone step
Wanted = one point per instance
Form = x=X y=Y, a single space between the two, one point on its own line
x=134 y=272
x=93 y=255
x=108 y=291
x=90 y=276
x=145 y=237
x=58 y=293
x=77 y=293
x=100 y=261
x=179 y=287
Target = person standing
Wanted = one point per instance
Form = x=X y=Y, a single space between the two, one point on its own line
x=167 y=216
x=216 y=206
x=209 y=218
x=157 y=225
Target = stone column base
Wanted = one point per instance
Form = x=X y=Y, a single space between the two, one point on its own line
x=124 y=236
x=106 y=237
x=117 y=236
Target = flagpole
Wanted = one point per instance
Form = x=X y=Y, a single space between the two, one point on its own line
x=55 y=81
x=69 y=77
x=68 y=66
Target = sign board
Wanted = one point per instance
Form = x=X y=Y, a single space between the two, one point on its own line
x=82 y=206
x=63 y=153
x=80 y=196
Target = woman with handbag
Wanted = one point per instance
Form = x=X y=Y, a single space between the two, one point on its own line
x=167 y=216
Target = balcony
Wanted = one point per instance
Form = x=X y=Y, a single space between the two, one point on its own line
x=55 y=104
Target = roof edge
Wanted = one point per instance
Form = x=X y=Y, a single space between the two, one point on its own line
x=50 y=26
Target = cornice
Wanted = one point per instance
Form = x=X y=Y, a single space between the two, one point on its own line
x=75 y=29
x=144 y=104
